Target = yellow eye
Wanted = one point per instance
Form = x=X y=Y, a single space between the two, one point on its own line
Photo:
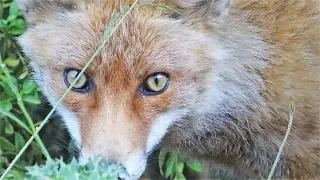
x=155 y=84
x=83 y=85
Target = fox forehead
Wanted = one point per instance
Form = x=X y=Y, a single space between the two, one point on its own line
x=147 y=40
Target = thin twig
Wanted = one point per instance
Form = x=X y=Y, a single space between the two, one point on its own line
x=291 y=113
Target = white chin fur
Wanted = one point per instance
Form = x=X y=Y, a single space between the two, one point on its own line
x=160 y=127
x=71 y=122
x=68 y=117
x=135 y=165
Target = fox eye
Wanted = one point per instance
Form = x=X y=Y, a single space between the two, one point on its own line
x=155 y=84
x=83 y=85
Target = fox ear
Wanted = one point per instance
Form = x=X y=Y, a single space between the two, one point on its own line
x=209 y=11
x=37 y=10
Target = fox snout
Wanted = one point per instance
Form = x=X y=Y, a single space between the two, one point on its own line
x=115 y=134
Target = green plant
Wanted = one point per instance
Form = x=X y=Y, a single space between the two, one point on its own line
x=18 y=95
x=175 y=164
x=93 y=170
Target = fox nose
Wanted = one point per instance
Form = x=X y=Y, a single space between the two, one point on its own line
x=122 y=176
x=133 y=163
x=113 y=161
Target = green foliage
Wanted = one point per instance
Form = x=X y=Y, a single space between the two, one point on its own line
x=18 y=94
x=93 y=170
x=12 y=21
x=175 y=164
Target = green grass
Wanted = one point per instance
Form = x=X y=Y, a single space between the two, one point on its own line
x=18 y=95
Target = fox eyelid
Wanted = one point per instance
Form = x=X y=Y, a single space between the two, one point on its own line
x=86 y=88
x=145 y=89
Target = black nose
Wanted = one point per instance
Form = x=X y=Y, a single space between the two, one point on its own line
x=112 y=161
x=122 y=176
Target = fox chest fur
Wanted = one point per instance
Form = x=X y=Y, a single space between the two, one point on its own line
x=209 y=78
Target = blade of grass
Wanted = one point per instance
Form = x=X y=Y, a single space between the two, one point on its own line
x=291 y=113
x=106 y=39
x=23 y=108
x=16 y=120
x=1 y=8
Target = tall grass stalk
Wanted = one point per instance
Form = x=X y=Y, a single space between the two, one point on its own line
x=23 y=108
x=38 y=129
x=291 y=113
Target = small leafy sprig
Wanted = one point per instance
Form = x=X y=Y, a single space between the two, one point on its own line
x=175 y=164
x=95 y=169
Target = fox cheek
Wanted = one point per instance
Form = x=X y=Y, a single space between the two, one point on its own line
x=160 y=127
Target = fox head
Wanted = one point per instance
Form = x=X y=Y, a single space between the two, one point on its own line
x=148 y=76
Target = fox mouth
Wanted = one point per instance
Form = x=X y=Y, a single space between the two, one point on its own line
x=133 y=166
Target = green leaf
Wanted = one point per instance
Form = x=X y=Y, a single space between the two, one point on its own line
x=12 y=17
x=180 y=176
x=17 y=120
x=8 y=128
x=16 y=30
x=6 y=145
x=7 y=88
x=14 y=9
x=180 y=166
x=31 y=99
x=3 y=23
x=19 y=141
x=2 y=162
x=162 y=157
x=5 y=106
x=28 y=86
x=11 y=62
x=15 y=174
x=4 y=84
x=18 y=24
x=194 y=165
x=23 y=75
x=170 y=164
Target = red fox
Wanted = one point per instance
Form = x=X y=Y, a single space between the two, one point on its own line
x=211 y=78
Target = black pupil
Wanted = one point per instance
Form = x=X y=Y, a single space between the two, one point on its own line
x=75 y=77
x=154 y=84
x=156 y=80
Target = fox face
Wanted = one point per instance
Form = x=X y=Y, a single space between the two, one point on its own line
x=142 y=81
